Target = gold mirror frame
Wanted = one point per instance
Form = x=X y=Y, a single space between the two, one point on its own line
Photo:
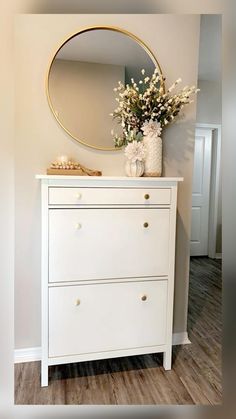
x=88 y=29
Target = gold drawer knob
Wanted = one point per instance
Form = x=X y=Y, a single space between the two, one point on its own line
x=146 y=196
x=145 y=225
x=78 y=226
x=144 y=297
x=77 y=302
x=78 y=195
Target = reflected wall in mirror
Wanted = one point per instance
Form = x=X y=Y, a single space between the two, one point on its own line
x=82 y=76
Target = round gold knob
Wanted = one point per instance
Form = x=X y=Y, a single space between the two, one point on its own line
x=145 y=225
x=78 y=226
x=78 y=195
x=144 y=298
x=77 y=302
x=146 y=196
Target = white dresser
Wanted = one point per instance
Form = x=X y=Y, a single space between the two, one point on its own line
x=108 y=257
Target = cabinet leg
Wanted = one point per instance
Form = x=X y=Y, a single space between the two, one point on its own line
x=167 y=359
x=44 y=375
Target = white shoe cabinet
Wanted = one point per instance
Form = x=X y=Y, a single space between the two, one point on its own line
x=108 y=257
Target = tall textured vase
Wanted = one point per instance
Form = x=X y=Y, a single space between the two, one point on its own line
x=153 y=159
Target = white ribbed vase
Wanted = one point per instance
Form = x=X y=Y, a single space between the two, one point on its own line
x=134 y=168
x=153 y=159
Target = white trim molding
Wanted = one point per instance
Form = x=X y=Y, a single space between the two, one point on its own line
x=34 y=354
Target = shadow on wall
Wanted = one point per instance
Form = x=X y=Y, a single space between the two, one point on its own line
x=219 y=239
x=103 y=6
x=178 y=148
x=181 y=273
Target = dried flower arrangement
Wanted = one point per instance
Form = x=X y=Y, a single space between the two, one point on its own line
x=145 y=106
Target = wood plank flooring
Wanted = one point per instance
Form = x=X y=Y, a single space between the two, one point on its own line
x=194 y=379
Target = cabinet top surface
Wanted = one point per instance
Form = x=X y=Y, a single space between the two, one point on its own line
x=110 y=178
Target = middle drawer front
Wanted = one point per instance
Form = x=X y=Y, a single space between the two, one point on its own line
x=88 y=244
x=106 y=317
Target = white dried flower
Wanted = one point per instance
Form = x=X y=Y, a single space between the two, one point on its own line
x=158 y=108
x=171 y=87
x=135 y=151
x=151 y=128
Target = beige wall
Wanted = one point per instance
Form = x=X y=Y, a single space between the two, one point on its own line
x=71 y=84
x=39 y=139
x=209 y=102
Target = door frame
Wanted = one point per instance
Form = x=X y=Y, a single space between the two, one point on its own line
x=214 y=185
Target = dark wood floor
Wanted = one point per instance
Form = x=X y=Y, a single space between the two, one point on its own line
x=194 y=379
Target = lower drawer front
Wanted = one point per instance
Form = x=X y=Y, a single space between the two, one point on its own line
x=106 y=317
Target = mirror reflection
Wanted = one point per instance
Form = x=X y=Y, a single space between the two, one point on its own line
x=82 y=78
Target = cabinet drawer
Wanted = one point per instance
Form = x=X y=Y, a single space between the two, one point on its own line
x=106 y=317
x=86 y=244
x=108 y=196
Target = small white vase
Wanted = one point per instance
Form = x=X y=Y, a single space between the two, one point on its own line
x=134 y=169
x=153 y=159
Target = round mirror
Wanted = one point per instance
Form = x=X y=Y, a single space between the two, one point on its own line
x=82 y=76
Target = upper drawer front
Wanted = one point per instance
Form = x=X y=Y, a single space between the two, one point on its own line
x=108 y=196
x=88 y=243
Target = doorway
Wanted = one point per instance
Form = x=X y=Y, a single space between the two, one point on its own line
x=205 y=191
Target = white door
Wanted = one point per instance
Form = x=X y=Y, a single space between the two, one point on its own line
x=201 y=192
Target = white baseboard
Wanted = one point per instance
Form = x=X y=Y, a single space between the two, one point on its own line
x=27 y=354
x=218 y=256
x=34 y=354
x=180 y=339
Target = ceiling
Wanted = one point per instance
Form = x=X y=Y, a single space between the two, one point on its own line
x=210 y=48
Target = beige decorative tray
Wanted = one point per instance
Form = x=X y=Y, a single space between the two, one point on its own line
x=72 y=169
